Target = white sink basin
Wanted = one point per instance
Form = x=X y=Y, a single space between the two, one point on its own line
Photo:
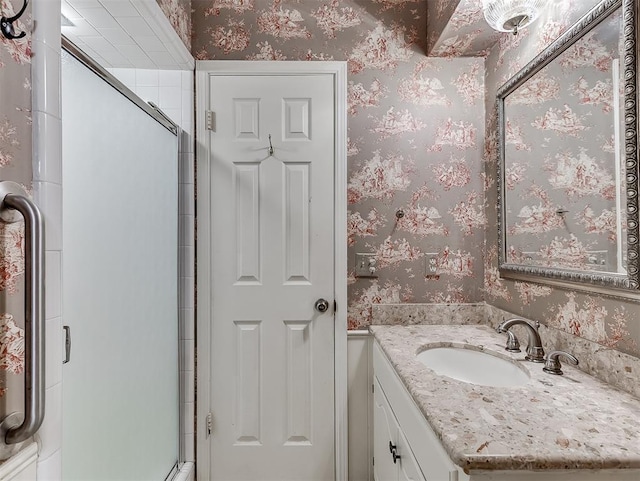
x=472 y=366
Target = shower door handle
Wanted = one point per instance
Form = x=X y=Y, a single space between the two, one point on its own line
x=15 y=204
x=67 y=344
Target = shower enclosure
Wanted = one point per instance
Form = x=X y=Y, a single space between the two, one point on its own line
x=120 y=233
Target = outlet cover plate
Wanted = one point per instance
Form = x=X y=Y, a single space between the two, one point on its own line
x=364 y=262
x=430 y=264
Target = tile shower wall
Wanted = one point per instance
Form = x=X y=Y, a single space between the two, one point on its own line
x=172 y=91
x=612 y=323
x=47 y=187
x=415 y=135
x=15 y=165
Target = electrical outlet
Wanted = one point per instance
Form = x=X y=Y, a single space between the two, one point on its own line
x=431 y=264
x=366 y=264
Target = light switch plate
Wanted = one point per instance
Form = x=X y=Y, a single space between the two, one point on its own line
x=365 y=262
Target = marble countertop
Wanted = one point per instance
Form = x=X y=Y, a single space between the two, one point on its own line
x=572 y=421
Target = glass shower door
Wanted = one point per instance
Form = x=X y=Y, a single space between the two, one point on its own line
x=120 y=388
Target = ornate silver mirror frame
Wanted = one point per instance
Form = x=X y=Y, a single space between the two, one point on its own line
x=612 y=284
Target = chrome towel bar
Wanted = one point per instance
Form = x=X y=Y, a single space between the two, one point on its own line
x=14 y=205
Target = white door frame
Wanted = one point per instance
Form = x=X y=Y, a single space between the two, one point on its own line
x=205 y=69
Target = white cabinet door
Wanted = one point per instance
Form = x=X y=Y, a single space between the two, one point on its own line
x=408 y=466
x=385 y=431
x=387 y=435
x=431 y=460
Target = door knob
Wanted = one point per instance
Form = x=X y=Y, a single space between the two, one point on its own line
x=322 y=305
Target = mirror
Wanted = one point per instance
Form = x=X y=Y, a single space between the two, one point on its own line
x=568 y=180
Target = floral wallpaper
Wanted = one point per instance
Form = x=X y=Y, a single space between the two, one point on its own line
x=179 y=14
x=611 y=322
x=417 y=144
x=458 y=29
x=15 y=165
x=415 y=127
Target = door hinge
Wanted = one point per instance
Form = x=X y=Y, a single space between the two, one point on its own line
x=373 y=388
x=209 y=422
x=373 y=461
x=335 y=307
x=211 y=120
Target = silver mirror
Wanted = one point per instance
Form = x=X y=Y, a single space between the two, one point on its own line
x=568 y=180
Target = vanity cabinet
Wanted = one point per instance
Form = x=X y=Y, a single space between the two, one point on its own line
x=400 y=427
x=398 y=420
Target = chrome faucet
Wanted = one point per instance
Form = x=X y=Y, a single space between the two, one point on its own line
x=552 y=364
x=535 y=353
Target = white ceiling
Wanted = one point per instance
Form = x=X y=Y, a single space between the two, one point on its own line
x=125 y=34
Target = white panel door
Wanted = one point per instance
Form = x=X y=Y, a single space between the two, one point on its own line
x=272 y=258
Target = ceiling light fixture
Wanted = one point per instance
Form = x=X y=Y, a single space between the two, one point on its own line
x=511 y=15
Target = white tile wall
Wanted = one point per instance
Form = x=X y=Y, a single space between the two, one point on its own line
x=50 y=469
x=49 y=167
x=53 y=281
x=48 y=195
x=113 y=36
x=47 y=187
